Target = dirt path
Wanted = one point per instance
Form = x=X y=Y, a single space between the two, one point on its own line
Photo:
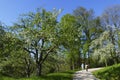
x=84 y=75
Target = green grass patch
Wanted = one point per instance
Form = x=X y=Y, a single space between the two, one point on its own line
x=108 y=73
x=67 y=75
x=5 y=78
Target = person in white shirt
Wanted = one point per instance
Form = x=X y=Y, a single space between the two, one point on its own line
x=82 y=66
x=86 y=67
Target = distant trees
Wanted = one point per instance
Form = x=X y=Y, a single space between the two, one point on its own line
x=107 y=45
x=103 y=48
x=111 y=20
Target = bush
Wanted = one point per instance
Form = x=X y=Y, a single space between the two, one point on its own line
x=109 y=73
x=67 y=75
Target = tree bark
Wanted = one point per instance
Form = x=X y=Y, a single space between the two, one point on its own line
x=39 y=69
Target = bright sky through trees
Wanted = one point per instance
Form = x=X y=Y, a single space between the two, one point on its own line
x=11 y=9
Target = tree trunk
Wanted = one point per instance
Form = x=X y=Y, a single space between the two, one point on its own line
x=73 y=67
x=38 y=64
x=115 y=60
x=28 y=67
x=71 y=64
x=39 y=69
x=106 y=63
x=84 y=59
x=28 y=72
x=88 y=61
x=79 y=62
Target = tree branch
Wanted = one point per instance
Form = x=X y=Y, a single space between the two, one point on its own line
x=29 y=51
x=48 y=52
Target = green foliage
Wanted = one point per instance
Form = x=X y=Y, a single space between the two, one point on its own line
x=70 y=33
x=104 y=48
x=68 y=75
x=38 y=41
x=38 y=31
x=109 y=73
x=111 y=20
x=12 y=59
x=90 y=28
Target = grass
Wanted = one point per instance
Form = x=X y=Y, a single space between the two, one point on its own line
x=108 y=73
x=5 y=78
x=68 y=75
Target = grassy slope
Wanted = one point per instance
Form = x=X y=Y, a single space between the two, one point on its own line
x=68 y=75
x=109 y=73
x=5 y=78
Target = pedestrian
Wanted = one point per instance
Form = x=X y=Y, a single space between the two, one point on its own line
x=82 y=66
x=86 y=67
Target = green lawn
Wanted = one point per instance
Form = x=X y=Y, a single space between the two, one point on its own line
x=68 y=75
x=5 y=78
x=109 y=73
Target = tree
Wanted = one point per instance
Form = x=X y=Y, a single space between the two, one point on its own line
x=12 y=60
x=111 y=16
x=2 y=35
x=111 y=21
x=38 y=31
x=70 y=39
x=103 y=48
x=91 y=28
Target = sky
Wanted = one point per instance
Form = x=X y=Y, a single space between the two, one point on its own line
x=11 y=9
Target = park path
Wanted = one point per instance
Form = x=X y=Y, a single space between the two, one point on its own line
x=84 y=75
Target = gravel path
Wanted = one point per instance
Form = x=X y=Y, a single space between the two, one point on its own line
x=84 y=75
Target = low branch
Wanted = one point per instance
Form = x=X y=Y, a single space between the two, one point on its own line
x=48 y=52
x=29 y=51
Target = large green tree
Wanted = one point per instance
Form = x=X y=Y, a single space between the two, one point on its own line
x=38 y=30
x=70 y=39
x=91 y=29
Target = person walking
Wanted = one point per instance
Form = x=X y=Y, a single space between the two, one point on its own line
x=86 y=67
x=82 y=66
